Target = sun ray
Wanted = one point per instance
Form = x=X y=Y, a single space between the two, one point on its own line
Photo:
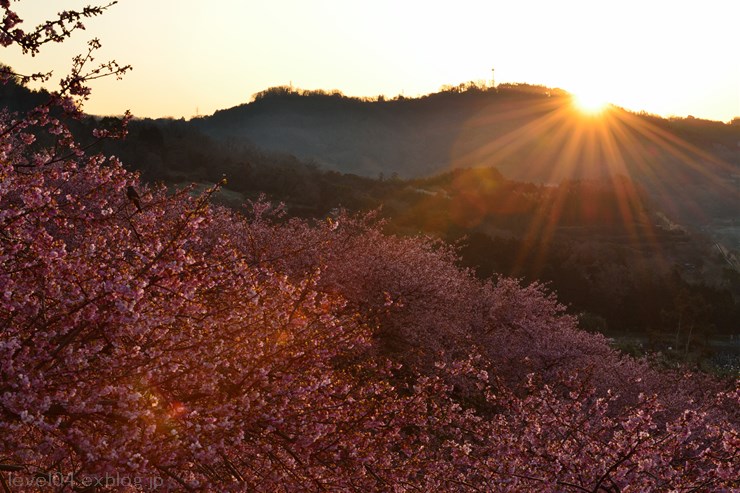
x=556 y=142
x=507 y=145
x=628 y=195
x=686 y=166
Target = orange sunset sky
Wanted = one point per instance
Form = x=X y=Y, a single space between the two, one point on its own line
x=673 y=58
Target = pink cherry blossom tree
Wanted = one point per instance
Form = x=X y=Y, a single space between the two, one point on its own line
x=153 y=341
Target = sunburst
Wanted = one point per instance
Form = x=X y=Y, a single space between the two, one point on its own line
x=590 y=102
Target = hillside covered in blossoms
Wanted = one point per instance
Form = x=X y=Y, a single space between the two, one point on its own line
x=152 y=340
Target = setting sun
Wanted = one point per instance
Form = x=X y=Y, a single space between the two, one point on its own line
x=591 y=103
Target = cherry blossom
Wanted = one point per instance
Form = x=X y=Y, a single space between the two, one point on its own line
x=170 y=344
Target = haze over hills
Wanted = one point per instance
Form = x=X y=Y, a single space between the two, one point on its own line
x=530 y=133
x=690 y=168
x=604 y=208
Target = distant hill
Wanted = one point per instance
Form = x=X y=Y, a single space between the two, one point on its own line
x=530 y=133
x=412 y=137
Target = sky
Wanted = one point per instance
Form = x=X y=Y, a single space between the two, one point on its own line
x=671 y=58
